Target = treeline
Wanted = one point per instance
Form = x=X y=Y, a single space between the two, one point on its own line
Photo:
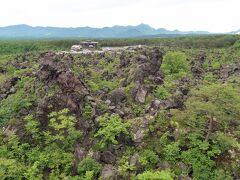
x=22 y=46
x=209 y=41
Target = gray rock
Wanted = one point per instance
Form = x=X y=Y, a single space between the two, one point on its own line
x=163 y=165
x=108 y=102
x=109 y=172
x=139 y=93
x=117 y=96
x=154 y=107
x=134 y=160
x=107 y=157
x=9 y=131
x=139 y=136
x=112 y=107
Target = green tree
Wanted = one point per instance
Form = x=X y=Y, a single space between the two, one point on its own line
x=110 y=128
x=175 y=64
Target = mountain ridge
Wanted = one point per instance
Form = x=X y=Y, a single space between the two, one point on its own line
x=23 y=30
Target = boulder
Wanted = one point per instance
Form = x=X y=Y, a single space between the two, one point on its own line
x=163 y=165
x=142 y=58
x=172 y=103
x=107 y=157
x=134 y=160
x=139 y=93
x=154 y=107
x=117 y=96
x=109 y=172
x=138 y=136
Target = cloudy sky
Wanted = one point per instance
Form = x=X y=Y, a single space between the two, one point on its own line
x=211 y=15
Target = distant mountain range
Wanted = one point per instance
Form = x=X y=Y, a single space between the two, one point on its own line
x=141 y=30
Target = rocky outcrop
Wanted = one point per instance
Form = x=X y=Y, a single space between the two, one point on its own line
x=55 y=69
x=149 y=65
x=229 y=70
x=8 y=88
x=139 y=93
x=124 y=61
x=140 y=128
x=197 y=65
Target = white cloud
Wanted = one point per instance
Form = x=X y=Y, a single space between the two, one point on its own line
x=211 y=15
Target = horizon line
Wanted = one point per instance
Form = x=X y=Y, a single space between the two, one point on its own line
x=102 y=27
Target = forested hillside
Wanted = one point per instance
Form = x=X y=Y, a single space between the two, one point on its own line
x=169 y=109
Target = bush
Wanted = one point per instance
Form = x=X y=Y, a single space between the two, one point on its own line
x=89 y=165
x=148 y=159
x=87 y=112
x=175 y=64
x=10 y=107
x=172 y=152
x=11 y=169
x=110 y=128
x=157 y=175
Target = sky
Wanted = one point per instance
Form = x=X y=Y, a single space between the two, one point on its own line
x=184 y=15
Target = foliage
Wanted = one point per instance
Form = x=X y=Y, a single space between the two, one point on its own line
x=172 y=152
x=110 y=127
x=87 y=112
x=175 y=64
x=89 y=166
x=219 y=101
x=199 y=139
x=138 y=109
x=18 y=101
x=50 y=148
x=148 y=159
x=123 y=164
x=11 y=169
x=157 y=175
x=164 y=91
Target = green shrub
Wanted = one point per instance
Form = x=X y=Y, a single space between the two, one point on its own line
x=89 y=165
x=148 y=159
x=138 y=109
x=49 y=147
x=216 y=65
x=162 y=92
x=175 y=64
x=156 y=175
x=110 y=128
x=10 y=107
x=11 y=169
x=209 y=78
x=172 y=152
x=87 y=112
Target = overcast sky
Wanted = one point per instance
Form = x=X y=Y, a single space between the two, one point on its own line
x=211 y=15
